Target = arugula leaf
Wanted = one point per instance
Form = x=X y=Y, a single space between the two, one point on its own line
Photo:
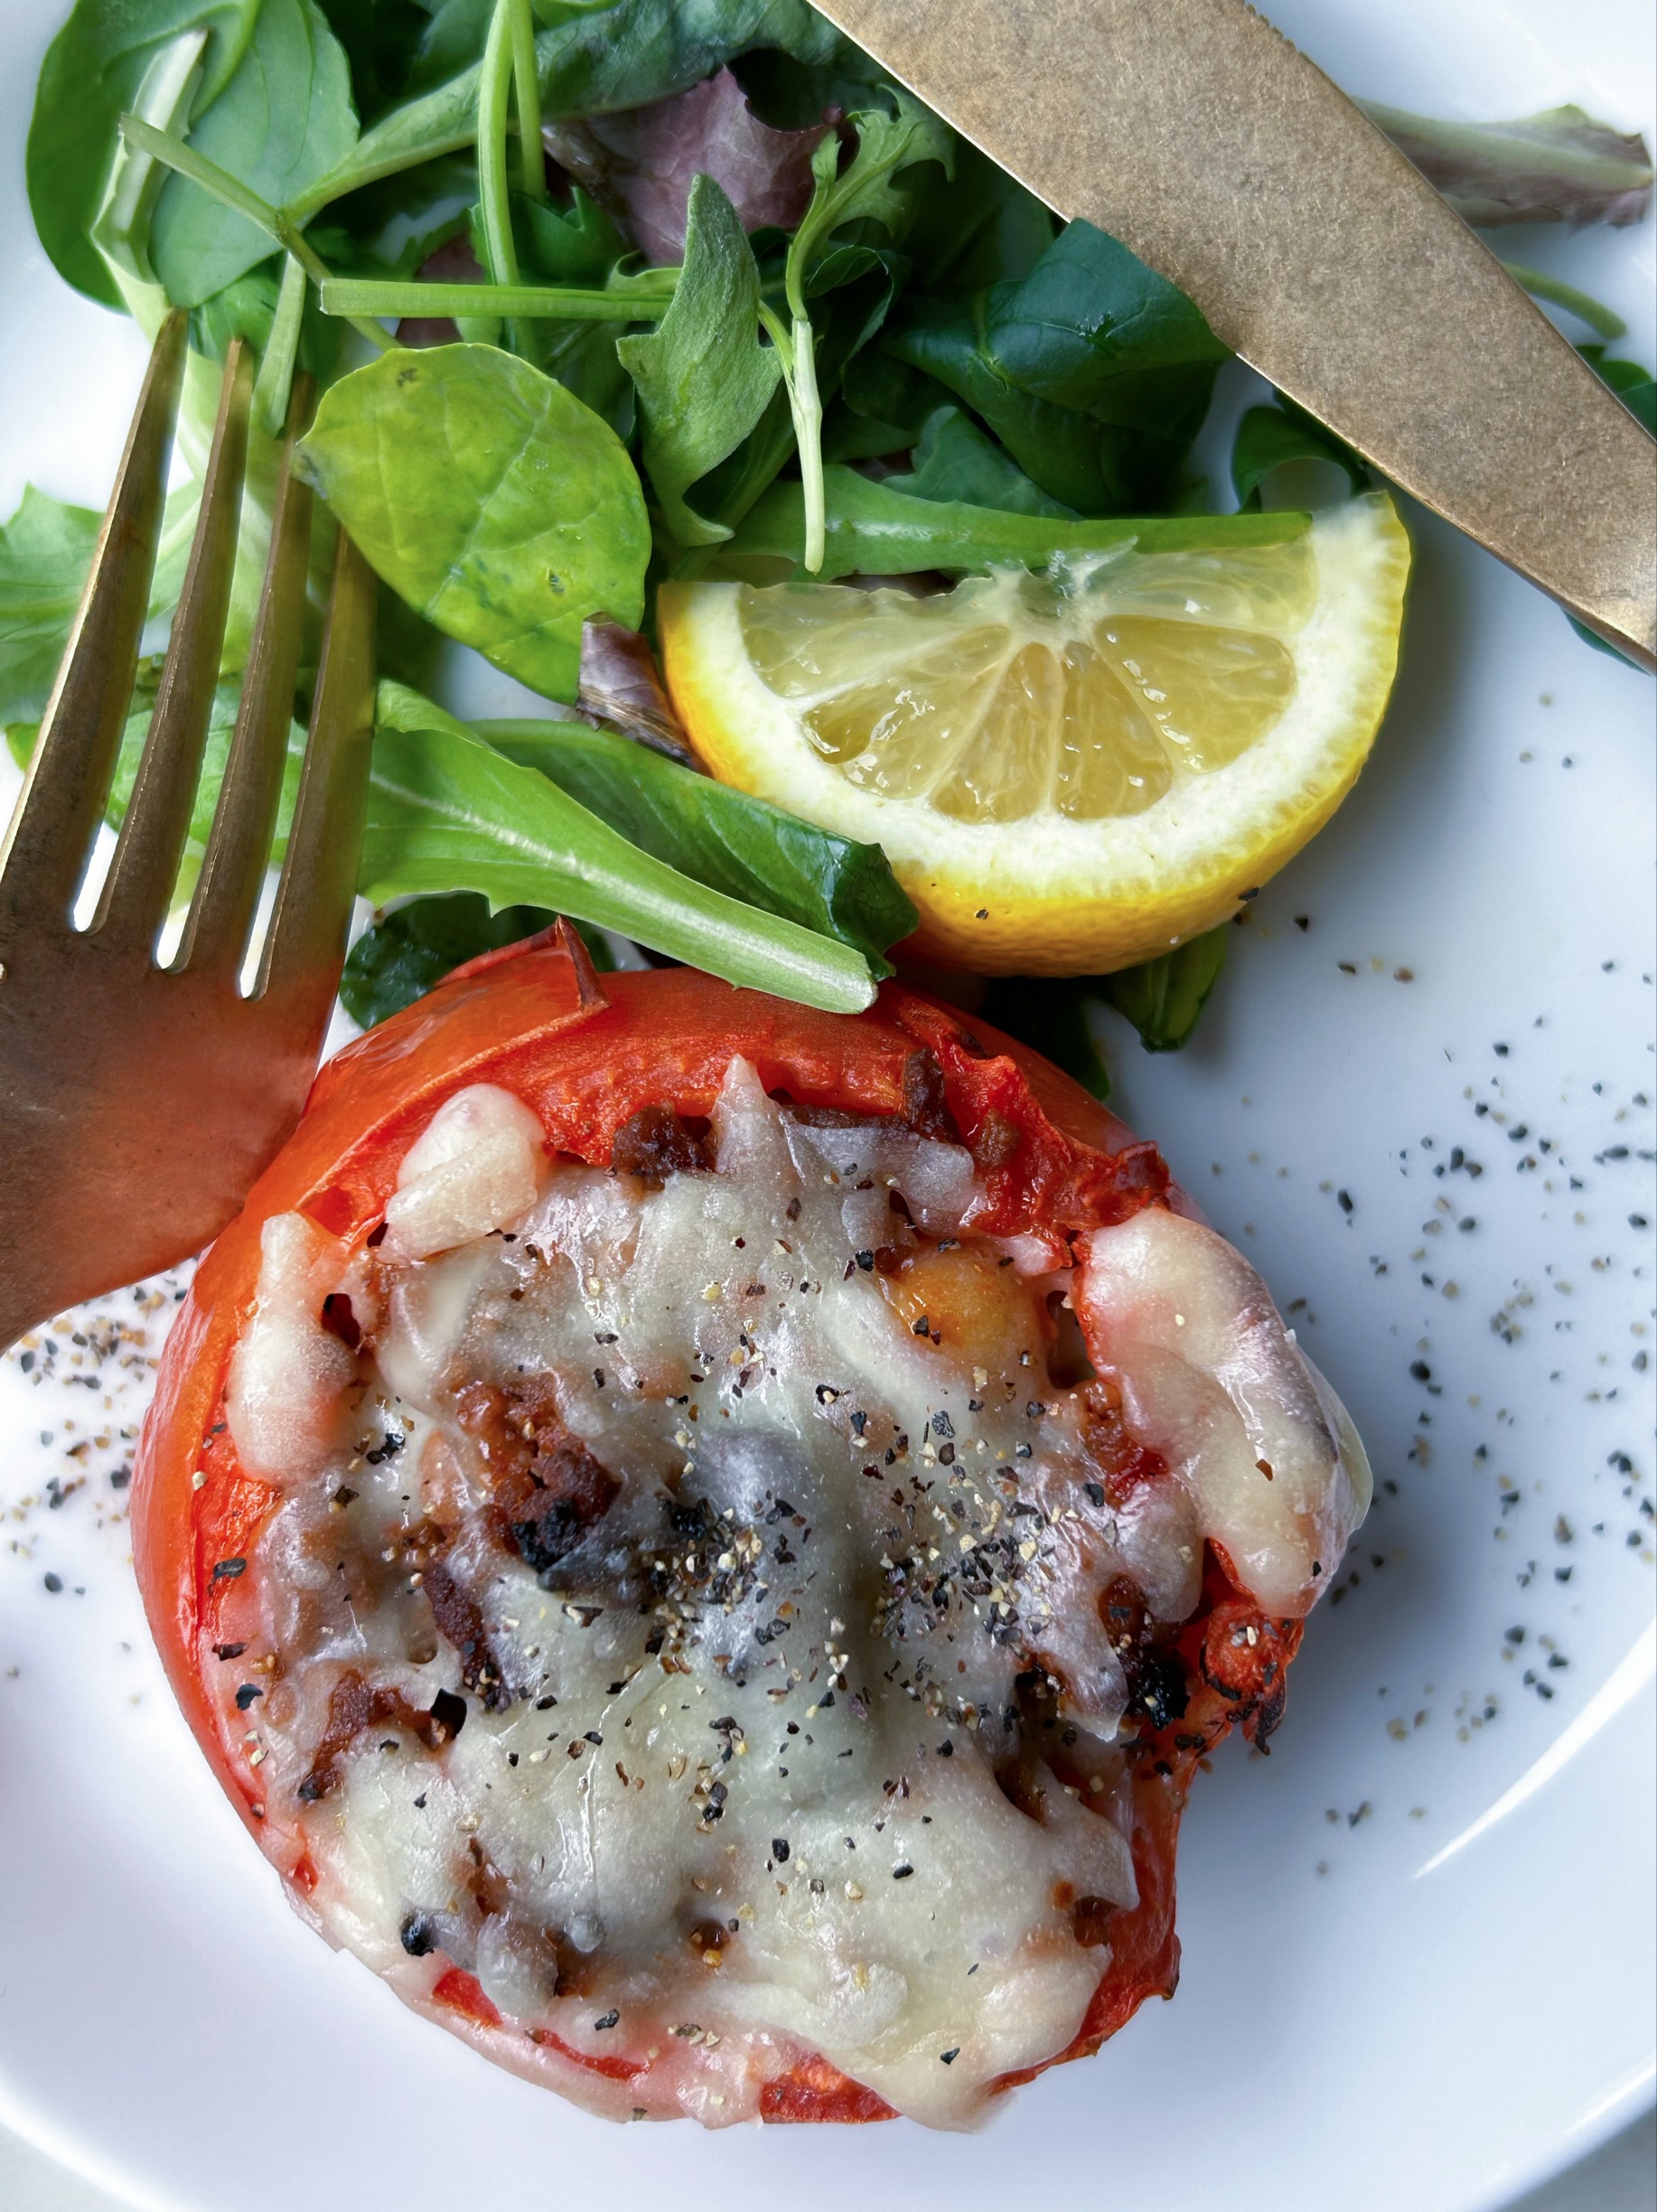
x=956 y=463
x=498 y=505
x=747 y=848
x=1271 y=437
x=876 y=530
x=90 y=76
x=703 y=378
x=281 y=121
x=1093 y=372
x=445 y=813
x=863 y=193
x=577 y=247
x=45 y=551
x=409 y=952
x=888 y=141
x=592 y=61
x=1163 y=997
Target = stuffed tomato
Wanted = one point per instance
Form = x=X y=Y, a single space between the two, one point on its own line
x=707 y=1539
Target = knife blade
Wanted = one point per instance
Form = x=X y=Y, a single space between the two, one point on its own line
x=1193 y=132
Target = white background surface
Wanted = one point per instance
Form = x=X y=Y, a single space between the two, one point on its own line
x=1417 y=1971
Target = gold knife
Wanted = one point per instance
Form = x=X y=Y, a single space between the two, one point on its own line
x=1193 y=132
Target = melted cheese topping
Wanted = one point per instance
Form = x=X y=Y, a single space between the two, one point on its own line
x=760 y=1525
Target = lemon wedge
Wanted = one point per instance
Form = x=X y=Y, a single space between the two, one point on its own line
x=1070 y=771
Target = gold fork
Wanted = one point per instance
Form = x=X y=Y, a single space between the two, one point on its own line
x=137 y=1102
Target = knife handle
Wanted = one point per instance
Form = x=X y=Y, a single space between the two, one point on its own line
x=1193 y=132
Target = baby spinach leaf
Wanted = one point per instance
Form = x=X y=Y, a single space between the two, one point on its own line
x=45 y=552
x=744 y=847
x=702 y=377
x=876 y=530
x=884 y=407
x=446 y=813
x=975 y=227
x=955 y=463
x=90 y=76
x=498 y=505
x=383 y=42
x=1093 y=372
x=284 y=118
x=410 y=950
x=1163 y=997
x=1271 y=437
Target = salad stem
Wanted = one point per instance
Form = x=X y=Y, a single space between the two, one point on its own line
x=1601 y=320
x=495 y=207
x=222 y=185
x=373 y=295
x=275 y=377
x=527 y=91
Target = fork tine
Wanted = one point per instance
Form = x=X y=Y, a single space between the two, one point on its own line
x=45 y=850
x=222 y=914
x=306 y=945
x=142 y=874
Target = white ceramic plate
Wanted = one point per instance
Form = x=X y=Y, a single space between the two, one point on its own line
x=1418 y=1939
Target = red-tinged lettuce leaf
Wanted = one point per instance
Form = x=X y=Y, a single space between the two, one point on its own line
x=622 y=686
x=1561 y=167
x=639 y=165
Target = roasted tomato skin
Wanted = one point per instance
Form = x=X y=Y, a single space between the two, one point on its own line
x=588 y=1058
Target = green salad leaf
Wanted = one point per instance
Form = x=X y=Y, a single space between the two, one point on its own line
x=409 y=952
x=45 y=551
x=593 y=59
x=446 y=812
x=877 y=529
x=1637 y=391
x=1163 y=997
x=22 y=739
x=1051 y=1014
x=1093 y=372
x=865 y=192
x=284 y=119
x=956 y=463
x=91 y=74
x=490 y=498
x=746 y=848
x=1275 y=437
x=702 y=377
